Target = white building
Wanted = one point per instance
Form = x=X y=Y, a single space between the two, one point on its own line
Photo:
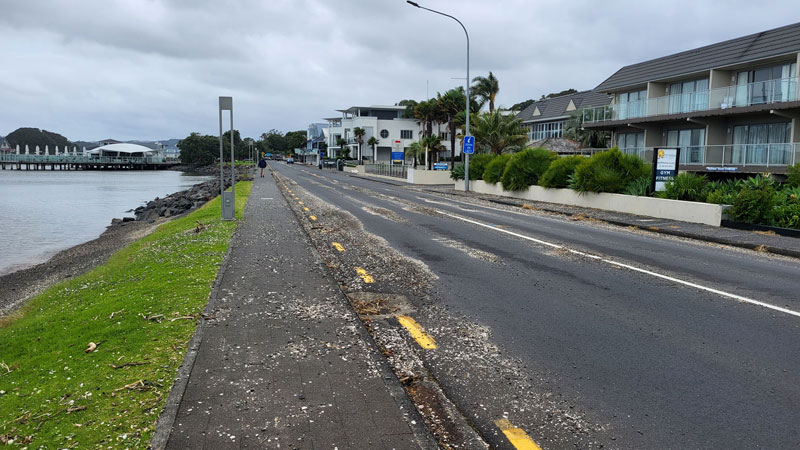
x=387 y=124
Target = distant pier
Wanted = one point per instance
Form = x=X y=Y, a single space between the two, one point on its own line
x=67 y=161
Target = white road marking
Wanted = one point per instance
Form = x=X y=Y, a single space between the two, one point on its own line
x=633 y=268
x=266 y=198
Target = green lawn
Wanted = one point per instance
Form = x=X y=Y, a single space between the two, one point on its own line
x=140 y=307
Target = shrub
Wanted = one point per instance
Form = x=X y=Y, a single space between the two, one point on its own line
x=458 y=172
x=787 y=215
x=639 y=187
x=686 y=186
x=557 y=175
x=719 y=197
x=759 y=182
x=793 y=175
x=525 y=168
x=754 y=205
x=477 y=164
x=494 y=170
x=608 y=171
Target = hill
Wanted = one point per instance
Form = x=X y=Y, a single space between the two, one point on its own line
x=34 y=136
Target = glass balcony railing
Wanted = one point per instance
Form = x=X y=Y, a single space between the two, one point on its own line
x=766 y=155
x=762 y=92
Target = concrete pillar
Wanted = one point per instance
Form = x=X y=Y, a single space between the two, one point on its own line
x=46 y=150
x=27 y=152
x=74 y=151
x=56 y=151
x=18 y=149
x=37 y=149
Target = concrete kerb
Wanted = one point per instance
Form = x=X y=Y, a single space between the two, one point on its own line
x=167 y=417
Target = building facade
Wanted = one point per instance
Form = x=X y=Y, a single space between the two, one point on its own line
x=387 y=124
x=546 y=118
x=733 y=106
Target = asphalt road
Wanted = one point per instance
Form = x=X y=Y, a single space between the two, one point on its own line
x=652 y=341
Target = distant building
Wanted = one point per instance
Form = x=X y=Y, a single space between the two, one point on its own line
x=316 y=137
x=545 y=119
x=387 y=124
x=5 y=147
x=733 y=106
x=123 y=150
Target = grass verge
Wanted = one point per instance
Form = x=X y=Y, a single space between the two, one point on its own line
x=140 y=309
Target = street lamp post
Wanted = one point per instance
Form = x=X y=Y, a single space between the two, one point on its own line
x=466 y=131
x=228 y=198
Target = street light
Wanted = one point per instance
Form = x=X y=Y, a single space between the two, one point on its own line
x=228 y=198
x=466 y=131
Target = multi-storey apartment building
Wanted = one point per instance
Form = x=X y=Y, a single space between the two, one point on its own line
x=545 y=118
x=732 y=106
x=387 y=124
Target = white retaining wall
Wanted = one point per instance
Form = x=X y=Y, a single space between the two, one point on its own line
x=416 y=176
x=695 y=212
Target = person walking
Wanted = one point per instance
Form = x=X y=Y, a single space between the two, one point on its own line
x=262 y=163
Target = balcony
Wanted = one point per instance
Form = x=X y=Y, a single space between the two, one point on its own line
x=759 y=93
x=740 y=155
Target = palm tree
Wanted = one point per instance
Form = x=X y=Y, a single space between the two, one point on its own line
x=432 y=144
x=416 y=151
x=341 y=143
x=451 y=104
x=372 y=142
x=486 y=88
x=497 y=131
x=573 y=129
x=359 y=133
x=425 y=112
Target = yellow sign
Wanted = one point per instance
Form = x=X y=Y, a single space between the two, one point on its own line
x=661 y=153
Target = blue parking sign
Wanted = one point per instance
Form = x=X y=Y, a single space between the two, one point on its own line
x=469 y=145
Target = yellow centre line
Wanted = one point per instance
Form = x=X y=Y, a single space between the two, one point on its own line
x=305 y=209
x=337 y=246
x=364 y=275
x=415 y=330
x=518 y=438
x=313 y=217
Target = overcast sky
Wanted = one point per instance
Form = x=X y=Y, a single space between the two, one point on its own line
x=153 y=69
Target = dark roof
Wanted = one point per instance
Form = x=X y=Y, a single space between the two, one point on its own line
x=766 y=44
x=556 y=107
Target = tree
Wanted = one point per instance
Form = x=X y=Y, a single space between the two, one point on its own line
x=359 y=133
x=416 y=150
x=276 y=142
x=372 y=142
x=433 y=145
x=559 y=94
x=573 y=129
x=410 y=105
x=295 y=139
x=496 y=132
x=342 y=146
x=34 y=136
x=199 y=150
x=522 y=105
x=486 y=88
x=451 y=104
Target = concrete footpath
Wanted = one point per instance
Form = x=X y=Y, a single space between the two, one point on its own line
x=281 y=360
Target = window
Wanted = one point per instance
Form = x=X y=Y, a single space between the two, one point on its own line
x=688 y=96
x=384 y=134
x=547 y=130
x=762 y=143
x=631 y=104
x=444 y=135
x=631 y=143
x=766 y=85
x=692 y=143
x=406 y=134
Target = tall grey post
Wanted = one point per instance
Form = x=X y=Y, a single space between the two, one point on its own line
x=228 y=198
x=466 y=131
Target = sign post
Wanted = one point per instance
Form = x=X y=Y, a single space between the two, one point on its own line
x=665 y=167
x=398 y=156
x=469 y=148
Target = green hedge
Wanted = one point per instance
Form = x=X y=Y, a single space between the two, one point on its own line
x=477 y=164
x=608 y=171
x=525 y=167
x=560 y=171
x=494 y=170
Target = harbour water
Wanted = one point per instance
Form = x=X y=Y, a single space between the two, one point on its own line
x=43 y=212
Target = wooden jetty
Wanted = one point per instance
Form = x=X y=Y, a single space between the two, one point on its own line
x=66 y=161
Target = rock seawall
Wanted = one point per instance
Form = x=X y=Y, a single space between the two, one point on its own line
x=183 y=201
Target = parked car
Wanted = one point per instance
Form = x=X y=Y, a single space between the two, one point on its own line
x=289 y=160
